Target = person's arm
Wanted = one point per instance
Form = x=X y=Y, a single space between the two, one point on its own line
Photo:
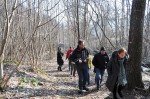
x=94 y=61
x=73 y=56
x=87 y=54
x=57 y=55
x=61 y=54
x=67 y=54
x=126 y=60
x=87 y=58
x=109 y=67
x=127 y=56
x=107 y=59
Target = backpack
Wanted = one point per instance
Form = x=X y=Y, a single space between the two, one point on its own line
x=70 y=56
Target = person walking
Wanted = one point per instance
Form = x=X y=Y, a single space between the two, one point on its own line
x=60 y=61
x=80 y=57
x=116 y=69
x=100 y=61
x=67 y=57
x=73 y=66
x=89 y=67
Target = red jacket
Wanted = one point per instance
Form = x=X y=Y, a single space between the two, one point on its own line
x=68 y=53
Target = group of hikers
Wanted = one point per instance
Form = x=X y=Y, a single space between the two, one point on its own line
x=81 y=61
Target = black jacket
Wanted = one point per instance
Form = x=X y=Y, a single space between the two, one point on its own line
x=100 y=61
x=80 y=55
x=59 y=58
x=113 y=69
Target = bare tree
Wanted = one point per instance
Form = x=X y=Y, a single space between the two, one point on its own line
x=135 y=44
x=6 y=30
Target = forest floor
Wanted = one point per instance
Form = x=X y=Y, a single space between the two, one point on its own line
x=51 y=84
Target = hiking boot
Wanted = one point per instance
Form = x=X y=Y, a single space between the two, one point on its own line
x=120 y=94
x=85 y=88
x=58 y=68
x=115 y=97
x=80 y=92
x=97 y=88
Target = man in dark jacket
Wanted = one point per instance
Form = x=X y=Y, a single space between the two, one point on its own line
x=80 y=57
x=100 y=61
x=116 y=69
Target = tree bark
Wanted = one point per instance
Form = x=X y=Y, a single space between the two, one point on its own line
x=135 y=44
x=116 y=23
x=78 y=27
x=6 y=31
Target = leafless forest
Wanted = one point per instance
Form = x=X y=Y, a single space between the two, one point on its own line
x=32 y=30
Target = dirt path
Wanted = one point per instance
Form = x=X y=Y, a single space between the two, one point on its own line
x=56 y=85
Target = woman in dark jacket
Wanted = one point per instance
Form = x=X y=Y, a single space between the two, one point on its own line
x=60 y=61
x=117 y=72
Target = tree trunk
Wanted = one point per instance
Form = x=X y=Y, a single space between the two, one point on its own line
x=116 y=23
x=122 y=25
x=1 y=66
x=135 y=44
x=6 y=31
x=77 y=19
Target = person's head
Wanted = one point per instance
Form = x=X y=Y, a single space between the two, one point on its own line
x=122 y=52
x=102 y=50
x=81 y=44
x=59 y=49
x=70 y=47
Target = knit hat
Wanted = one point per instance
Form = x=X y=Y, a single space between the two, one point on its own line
x=102 y=49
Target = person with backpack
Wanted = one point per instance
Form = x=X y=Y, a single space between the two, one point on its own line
x=100 y=61
x=80 y=57
x=67 y=56
x=60 y=61
x=116 y=69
